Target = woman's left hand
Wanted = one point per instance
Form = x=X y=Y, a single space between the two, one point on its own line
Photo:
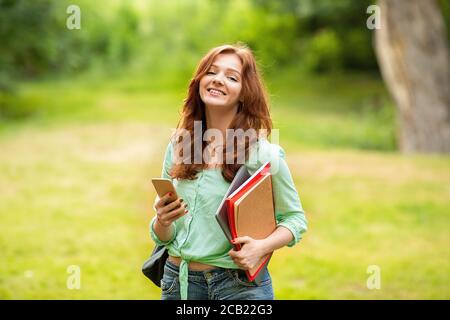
x=250 y=254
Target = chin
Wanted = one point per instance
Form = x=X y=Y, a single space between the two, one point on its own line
x=214 y=103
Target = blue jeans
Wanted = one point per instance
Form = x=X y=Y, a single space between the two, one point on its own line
x=215 y=284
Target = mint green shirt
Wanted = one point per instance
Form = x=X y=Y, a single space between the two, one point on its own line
x=197 y=235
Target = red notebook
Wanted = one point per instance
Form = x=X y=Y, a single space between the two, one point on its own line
x=251 y=212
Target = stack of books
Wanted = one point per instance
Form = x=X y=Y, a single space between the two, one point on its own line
x=248 y=210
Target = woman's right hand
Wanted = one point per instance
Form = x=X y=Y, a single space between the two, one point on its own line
x=166 y=213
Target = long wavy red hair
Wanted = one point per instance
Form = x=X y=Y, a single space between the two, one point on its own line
x=253 y=113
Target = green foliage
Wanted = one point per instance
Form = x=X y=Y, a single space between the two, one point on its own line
x=337 y=27
x=165 y=39
x=324 y=52
x=26 y=33
x=36 y=41
x=173 y=34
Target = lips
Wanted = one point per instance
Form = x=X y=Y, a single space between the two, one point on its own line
x=216 y=92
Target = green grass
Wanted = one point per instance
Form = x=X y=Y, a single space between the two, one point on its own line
x=74 y=190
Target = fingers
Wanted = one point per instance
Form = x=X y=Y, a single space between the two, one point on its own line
x=232 y=254
x=171 y=206
x=162 y=202
x=177 y=213
x=235 y=254
x=238 y=259
x=172 y=215
x=168 y=211
x=244 y=239
x=167 y=207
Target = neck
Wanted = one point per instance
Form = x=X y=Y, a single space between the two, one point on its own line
x=219 y=118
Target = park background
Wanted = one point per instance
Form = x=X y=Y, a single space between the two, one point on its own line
x=85 y=116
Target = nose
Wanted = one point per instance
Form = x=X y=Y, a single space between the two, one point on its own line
x=218 y=79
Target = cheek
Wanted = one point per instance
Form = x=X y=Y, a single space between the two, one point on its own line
x=236 y=89
x=202 y=87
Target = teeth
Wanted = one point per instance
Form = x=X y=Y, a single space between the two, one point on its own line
x=213 y=91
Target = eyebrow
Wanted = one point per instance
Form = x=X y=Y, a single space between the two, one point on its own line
x=232 y=69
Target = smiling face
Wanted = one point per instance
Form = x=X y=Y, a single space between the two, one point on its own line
x=221 y=85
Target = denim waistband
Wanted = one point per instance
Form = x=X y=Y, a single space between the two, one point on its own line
x=211 y=275
x=217 y=270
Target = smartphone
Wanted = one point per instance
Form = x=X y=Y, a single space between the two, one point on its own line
x=163 y=186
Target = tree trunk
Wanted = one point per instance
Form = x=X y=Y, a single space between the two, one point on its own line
x=413 y=55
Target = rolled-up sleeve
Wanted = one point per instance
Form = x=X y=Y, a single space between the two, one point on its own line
x=288 y=208
x=156 y=239
x=165 y=173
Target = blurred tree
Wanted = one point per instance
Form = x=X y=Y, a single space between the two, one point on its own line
x=413 y=54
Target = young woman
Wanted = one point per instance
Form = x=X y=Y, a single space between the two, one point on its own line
x=226 y=93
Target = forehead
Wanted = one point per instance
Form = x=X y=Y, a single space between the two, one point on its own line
x=228 y=61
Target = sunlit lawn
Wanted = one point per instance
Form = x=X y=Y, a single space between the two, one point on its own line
x=74 y=190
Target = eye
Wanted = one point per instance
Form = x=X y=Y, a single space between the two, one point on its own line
x=232 y=79
x=210 y=72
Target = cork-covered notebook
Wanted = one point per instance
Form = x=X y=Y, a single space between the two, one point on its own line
x=251 y=212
